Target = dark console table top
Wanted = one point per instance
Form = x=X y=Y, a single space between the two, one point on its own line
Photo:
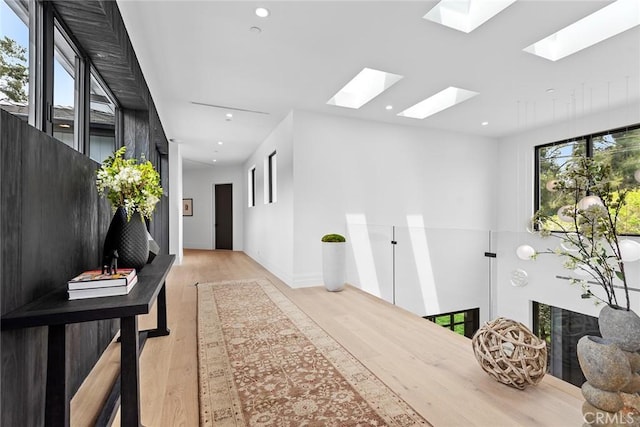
x=55 y=308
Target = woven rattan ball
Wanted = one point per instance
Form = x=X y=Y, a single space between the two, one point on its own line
x=510 y=353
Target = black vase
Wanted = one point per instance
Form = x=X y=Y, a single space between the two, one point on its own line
x=129 y=238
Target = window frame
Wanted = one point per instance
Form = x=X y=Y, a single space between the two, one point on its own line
x=251 y=202
x=43 y=20
x=589 y=152
x=24 y=11
x=471 y=322
x=271 y=181
x=93 y=73
x=562 y=359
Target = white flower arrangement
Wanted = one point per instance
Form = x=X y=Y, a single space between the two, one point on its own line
x=129 y=184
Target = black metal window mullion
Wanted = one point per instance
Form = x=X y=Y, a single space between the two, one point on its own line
x=41 y=29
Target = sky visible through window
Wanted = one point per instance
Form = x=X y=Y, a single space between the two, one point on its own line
x=13 y=27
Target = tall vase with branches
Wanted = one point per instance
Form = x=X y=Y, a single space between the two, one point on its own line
x=587 y=229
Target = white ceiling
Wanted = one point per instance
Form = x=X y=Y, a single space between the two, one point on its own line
x=204 y=51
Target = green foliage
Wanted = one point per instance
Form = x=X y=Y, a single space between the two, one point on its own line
x=129 y=184
x=14 y=74
x=629 y=216
x=589 y=231
x=334 y=238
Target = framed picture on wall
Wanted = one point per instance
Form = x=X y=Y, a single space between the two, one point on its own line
x=187 y=207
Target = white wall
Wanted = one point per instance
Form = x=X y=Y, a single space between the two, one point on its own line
x=437 y=187
x=269 y=227
x=516 y=186
x=198 y=184
x=360 y=178
x=175 y=202
x=449 y=194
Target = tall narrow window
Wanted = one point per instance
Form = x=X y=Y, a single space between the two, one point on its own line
x=251 y=179
x=102 y=126
x=65 y=65
x=14 y=58
x=271 y=179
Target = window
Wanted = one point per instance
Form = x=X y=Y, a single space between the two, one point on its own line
x=561 y=329
x=102 y=121
x=45 y=79
x=464 y=322
x=65 y=96
x=14 y=58
x=271 y=179
x=252 y=187
x=619 y=148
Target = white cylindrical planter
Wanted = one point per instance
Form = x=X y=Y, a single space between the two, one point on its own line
x=333 y=265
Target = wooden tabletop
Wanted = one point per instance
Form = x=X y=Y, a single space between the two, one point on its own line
x=432 y=368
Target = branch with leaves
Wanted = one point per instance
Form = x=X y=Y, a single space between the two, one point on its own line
x=14 y=73
x=587 y=228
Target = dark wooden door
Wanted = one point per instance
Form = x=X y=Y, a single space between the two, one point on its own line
x=224 y=216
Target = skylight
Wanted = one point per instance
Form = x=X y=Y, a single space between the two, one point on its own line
x=466 y=15
x=607 y=22
x=368 y=84
x=440 y=101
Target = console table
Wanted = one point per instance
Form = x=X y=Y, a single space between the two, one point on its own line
x=55 y=311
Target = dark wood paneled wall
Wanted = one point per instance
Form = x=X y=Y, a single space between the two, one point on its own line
x=53 y=227
x=52 y=221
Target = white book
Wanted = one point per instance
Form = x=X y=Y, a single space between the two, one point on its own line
x=97 y=279
x=108 y=291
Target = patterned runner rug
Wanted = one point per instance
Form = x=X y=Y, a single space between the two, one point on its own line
x=263 y=362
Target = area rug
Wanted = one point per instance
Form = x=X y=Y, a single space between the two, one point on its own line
x=263 y=362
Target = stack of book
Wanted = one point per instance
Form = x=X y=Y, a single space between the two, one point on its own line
x=95 y=283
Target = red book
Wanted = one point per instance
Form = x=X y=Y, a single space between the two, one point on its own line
x=96 y=279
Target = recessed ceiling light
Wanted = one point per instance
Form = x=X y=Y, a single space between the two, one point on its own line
x=256 y=30
x=438 y=102
x=389 y=107
x=611 y=20
x=220 y=142
x=262 y=12
x=64 y=125
x=466 y=15
x=550 y=90
x=484 y=123
x=214 y=160
x=229 y=115
x=365 y=86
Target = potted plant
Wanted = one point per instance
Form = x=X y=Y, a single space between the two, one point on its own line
x=590 y=245
x=333 y=261
x=133 y=189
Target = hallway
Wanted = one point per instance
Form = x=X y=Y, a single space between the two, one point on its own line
x=430 y=367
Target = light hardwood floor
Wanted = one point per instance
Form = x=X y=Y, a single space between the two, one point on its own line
x=431 y=368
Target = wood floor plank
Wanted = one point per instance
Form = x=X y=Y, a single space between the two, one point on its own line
x=431 y=368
